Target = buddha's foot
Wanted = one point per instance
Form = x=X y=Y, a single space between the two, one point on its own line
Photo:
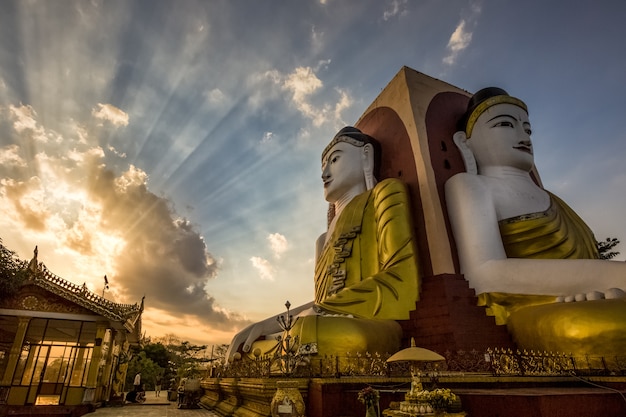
x=610 y=294
x=595 y=327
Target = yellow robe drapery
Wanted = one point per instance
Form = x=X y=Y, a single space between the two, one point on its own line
x=366 y=276
x=538 y=322
x=557 y=233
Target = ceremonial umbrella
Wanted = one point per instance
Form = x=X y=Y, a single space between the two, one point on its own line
x=415 y=354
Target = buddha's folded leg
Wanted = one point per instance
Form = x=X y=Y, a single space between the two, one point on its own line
x=337 y=336
x=581 y=328
x=333 y=335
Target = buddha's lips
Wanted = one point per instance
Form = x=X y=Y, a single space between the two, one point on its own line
x=524 y=148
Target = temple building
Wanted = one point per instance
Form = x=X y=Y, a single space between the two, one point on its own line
x=61 y=344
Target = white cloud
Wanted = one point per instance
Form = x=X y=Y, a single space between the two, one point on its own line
x=462 y=35
x=23 y=118
x=302 y=83
x=116 y=152
x=459 y=40
x=10 y=156
x=267 y=137
x=344 y=103
x=317 y=40
x=278 y=244
x=133 y=177
x=265 y=268
x=215 y=96
x=110 y=113
x=396 y=8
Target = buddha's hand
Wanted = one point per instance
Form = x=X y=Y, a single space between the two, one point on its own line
x=250 y=334
x=610 y=294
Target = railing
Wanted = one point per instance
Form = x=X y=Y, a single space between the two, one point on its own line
x=529 y=363
x=497 y=362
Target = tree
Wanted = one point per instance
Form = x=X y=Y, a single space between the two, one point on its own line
x=149 y=370
x=12 y=272
x=188 y=359
x=604 y=248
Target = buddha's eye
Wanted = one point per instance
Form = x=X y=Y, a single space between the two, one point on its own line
x=528 y=131
x=334 y=159
x=504 y=123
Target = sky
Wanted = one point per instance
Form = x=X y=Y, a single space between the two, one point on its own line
x=174 y=146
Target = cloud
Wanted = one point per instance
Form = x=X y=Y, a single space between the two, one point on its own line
x=62 y=196
x=9 y=155
x=24 y=121
x=302 y=83
x=396 y=8
x=278 y=244
x=26 y=202
x=462 y=36
x=215 y=97
x=304 y=91
x=265 y=268
x=110 y=113
x=267 y=137
x=459 y=40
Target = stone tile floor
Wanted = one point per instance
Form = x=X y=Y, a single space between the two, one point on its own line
x=153 y=407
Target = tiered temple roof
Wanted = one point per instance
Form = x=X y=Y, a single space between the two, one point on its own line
x=79 y=294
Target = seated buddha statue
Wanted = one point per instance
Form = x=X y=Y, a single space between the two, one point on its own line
x=531 y=259
x=366 y=273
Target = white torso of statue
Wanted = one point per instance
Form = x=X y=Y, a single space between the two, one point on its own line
x=498 y=186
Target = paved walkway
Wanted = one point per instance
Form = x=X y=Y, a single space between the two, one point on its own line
x=153 y=407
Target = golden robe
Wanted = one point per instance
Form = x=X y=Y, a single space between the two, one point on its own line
x=537 y=322
x=557 y=233
x=366 y=276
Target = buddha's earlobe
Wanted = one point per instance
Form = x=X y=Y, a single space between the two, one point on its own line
x=460 y=140
x=368 y=166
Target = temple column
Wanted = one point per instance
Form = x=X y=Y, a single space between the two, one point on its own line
x=16 y=350
x=94 y=366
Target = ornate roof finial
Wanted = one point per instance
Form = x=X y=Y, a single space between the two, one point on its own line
x=33 y=265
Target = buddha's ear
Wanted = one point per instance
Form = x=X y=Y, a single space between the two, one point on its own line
x=460 y=140
x=367 y=156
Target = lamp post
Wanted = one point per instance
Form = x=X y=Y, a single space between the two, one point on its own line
x=286 y=342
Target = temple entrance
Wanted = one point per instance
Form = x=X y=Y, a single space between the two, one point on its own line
x=49 y=365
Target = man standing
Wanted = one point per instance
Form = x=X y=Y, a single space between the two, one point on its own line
x=157 y=385
x=137 y=382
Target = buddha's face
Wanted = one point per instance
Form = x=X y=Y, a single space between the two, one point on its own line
x=501 y=137
x=342 y=171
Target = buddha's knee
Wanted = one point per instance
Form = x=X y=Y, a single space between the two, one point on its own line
x=591 y=327
x=342 y=335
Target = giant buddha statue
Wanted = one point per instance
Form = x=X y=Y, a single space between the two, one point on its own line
x=366 y=273
x=531 y=259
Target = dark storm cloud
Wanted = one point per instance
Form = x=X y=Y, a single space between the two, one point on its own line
x=164 y=258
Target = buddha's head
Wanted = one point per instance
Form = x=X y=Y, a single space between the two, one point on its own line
x=496 y=131
x=349 y=164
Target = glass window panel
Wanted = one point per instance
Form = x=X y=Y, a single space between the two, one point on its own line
x=88 y=334
x=82 y=359
x=39 y=365
x=57 y=365
x=64 y=331
x=31 y=365
x=36 y=329
x=8 y=330
x=21 y=364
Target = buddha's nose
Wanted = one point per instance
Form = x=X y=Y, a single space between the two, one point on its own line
x=325 y=173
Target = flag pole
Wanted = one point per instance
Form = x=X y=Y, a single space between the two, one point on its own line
x=106 y=285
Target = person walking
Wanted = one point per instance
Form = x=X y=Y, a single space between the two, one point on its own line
x=157 y=385
x=137 y=382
